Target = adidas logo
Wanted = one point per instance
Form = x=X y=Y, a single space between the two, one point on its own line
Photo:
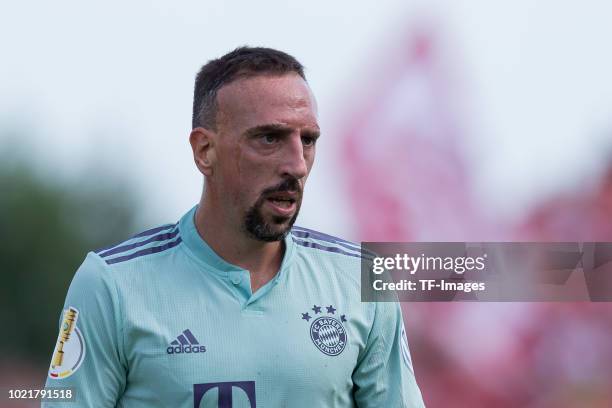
x=185 y=343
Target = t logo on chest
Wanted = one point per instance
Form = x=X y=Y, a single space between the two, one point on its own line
x=224 y=392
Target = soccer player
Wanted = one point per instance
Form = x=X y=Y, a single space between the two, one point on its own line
x=233 y=306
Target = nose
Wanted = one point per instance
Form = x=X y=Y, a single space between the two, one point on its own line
x=294 y=161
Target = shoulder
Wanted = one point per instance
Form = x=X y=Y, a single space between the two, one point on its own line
x=321 y=244
x=161 y=239
x=338 y=258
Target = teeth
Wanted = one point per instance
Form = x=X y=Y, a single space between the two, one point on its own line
x=282 y=203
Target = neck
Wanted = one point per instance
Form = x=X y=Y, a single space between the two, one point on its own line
x=261 y=259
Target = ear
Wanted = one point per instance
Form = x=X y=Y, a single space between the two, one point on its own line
x=203 y=145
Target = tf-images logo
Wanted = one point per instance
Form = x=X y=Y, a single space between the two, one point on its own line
x=185 y=343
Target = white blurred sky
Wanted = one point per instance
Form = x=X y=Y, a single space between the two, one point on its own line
x=110 y=85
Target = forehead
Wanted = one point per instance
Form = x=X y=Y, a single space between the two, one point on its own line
x=266 y=99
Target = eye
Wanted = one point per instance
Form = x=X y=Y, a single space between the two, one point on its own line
x=308 y=140
x=269 y=138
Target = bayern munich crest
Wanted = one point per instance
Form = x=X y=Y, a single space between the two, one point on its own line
x=327 y=331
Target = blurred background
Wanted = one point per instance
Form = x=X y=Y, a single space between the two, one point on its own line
x=442 y=120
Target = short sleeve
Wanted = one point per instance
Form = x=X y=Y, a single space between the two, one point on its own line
x=384 y=376
x=88 y=356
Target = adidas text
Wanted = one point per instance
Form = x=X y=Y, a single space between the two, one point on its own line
x=185 y=349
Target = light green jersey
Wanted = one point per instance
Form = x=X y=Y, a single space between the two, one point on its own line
x=161 y=320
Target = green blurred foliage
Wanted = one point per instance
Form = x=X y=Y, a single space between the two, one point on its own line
x=46 y=229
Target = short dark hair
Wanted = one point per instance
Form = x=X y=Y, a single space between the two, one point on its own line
x=240 y=63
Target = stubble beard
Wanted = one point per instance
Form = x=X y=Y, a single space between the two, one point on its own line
x=277 y=228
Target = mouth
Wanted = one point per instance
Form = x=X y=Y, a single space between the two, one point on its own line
x=283 y=204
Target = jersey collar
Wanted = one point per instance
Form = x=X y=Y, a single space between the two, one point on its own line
x=205 y=255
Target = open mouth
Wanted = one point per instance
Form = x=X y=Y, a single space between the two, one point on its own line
x=282 y=202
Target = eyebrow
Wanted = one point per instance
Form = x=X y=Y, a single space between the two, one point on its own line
x=278 y=129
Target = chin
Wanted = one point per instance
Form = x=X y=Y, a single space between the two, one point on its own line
x=282 y=222
x=267 y=227
x=278 y=228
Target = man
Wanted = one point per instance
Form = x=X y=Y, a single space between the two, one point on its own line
x=233 y=306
